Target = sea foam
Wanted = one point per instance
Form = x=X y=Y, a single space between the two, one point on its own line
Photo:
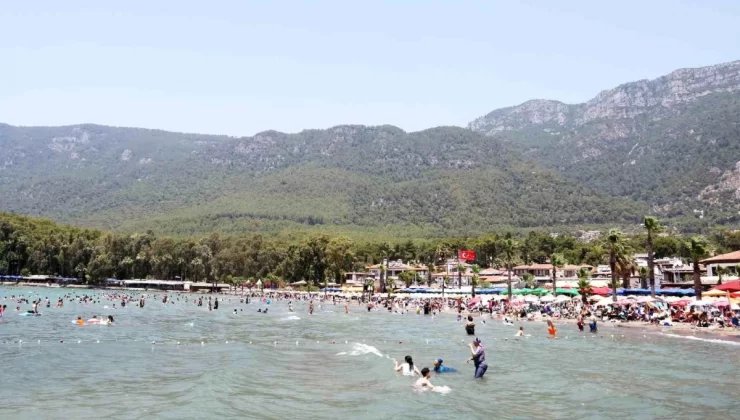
x=706 y=340
x=358 y=349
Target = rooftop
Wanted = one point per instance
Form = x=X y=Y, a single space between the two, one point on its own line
x=730 y=257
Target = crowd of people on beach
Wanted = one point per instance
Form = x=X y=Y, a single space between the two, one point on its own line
x=657 y=313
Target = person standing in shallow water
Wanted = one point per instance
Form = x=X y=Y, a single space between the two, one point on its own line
x=478 y=356
x=470 y=325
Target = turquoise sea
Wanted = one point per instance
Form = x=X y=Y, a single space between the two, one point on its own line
x=181 y=361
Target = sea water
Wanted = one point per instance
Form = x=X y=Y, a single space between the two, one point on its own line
x=183 y=361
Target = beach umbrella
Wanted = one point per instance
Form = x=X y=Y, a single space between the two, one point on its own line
x=715 y=293
x=568 y=292
x=547 y=298
x=601 y=291
x=730 y=286
x=721 y=302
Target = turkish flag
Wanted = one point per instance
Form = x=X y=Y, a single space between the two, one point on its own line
x=466 y=254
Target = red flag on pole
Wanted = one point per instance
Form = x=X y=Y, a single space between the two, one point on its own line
x=466 y=254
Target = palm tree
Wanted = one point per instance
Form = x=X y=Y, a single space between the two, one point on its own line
x=474 y=278
x=722 y=271
x=584 y=284
x=698 y=249
x=615 y=246
x=529 y=280
x=382 y=278
x=557 y=260
x=625 y=268
x=644 y=273
x=509 y=248
x=460 y=269
x=652 y=225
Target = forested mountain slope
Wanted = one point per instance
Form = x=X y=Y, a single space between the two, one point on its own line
x=672 y=143
x=444 y=180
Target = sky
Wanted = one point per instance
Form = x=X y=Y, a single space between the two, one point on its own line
x=242 y=67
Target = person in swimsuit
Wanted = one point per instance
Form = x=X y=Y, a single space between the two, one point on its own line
x=551 y=330
x=478 y=356
x=520 y=333
x=407 y=368
x=424 y=383
x=470 y=325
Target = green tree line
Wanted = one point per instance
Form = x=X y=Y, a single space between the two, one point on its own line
x=38 y=246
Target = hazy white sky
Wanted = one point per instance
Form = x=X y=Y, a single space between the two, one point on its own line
x=246 y=66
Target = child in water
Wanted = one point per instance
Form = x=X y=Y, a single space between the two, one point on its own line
x=551 y=330
x=424 y=382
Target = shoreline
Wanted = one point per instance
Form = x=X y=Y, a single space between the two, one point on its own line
x=681 y=329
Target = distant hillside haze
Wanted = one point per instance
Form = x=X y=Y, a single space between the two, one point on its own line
x=669 y=146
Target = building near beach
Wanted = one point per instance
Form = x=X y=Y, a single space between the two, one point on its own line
x=729 y=261
x=543 y=272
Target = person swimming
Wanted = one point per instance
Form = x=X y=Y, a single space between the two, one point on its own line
x=424 y=382
x=439 y=368
x=407 y=368
x=520 y=333
x=551 y=330
x=80 y=321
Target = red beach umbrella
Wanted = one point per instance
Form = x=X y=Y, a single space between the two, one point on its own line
x=730 y=286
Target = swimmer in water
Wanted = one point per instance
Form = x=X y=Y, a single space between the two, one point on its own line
x=551 y=330
x=80 y=321
x=520 y=333
x=439 y=368
x=290 y=306
x=407 y=368
x=310 y=307
x=424 y=382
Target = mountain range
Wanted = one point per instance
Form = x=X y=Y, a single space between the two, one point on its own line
x=669 y=147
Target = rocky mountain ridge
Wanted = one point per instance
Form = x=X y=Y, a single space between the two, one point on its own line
x=625 y=101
